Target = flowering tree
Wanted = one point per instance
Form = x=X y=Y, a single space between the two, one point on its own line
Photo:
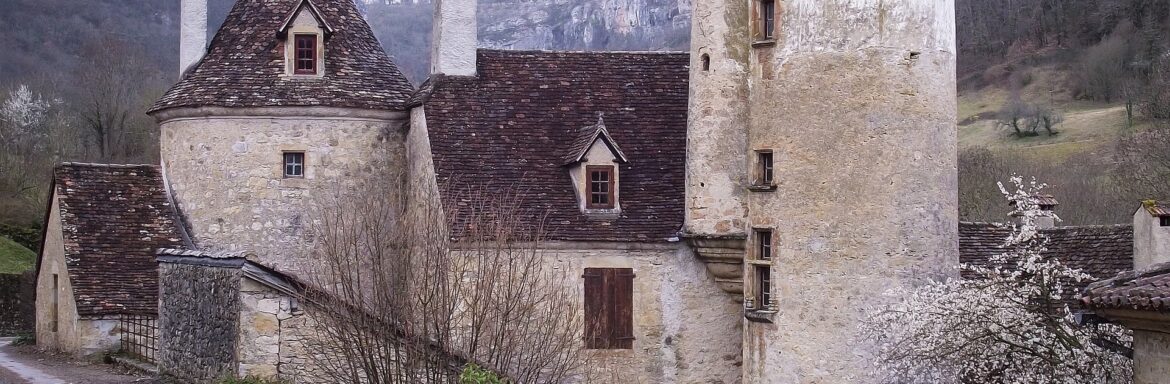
x=1008 y=322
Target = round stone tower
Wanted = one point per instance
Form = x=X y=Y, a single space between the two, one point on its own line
x=292 y=98
x=847 y=169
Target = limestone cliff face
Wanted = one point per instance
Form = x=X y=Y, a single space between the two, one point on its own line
x=584 y=24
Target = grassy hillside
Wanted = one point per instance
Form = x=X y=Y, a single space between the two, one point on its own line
x=14 y=258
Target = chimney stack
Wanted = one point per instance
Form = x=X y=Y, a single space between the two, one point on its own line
x=192 y=33
x=1047 y=205
x=454 y=38
x=1151 y=235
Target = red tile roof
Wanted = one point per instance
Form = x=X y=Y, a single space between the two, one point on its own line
x=113 y=217
x=244 y=65
x=1147 y=290
x=513 y=125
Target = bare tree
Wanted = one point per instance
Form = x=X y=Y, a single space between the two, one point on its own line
x=115 y=87
x=404 y=298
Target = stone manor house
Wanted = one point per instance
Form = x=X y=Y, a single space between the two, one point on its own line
x=742 y=203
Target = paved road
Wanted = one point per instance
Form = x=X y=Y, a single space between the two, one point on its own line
x=20 y=365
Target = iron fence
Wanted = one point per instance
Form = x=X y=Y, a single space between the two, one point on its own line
x=140 y=337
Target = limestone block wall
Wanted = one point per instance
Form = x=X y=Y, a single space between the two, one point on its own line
x=226 y=170
x=856 y=100
x=1151 y=357
x=199 y=315
x=1151 y=241
x=685 y=328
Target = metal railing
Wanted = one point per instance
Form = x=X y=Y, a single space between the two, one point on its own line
x=139 y=337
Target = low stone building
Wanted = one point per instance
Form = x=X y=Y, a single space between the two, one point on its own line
x=1140 y=299
x=96 y=265
x=222 y=315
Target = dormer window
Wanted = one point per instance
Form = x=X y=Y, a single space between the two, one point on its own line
x=305 y=54
x=304 y=32
x=601 y=182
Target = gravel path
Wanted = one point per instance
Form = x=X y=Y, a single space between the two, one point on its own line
x=26 y=365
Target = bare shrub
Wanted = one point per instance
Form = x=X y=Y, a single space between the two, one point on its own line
x=405 y=299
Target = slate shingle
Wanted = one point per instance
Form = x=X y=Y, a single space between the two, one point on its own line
x=512 y=126
x=113 y=217
x=244 y=64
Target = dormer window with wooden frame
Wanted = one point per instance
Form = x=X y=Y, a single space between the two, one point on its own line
x=305 y=55
x=593 y=161
x=304 y=32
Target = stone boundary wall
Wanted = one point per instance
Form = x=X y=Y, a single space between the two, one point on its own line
x=199 y=311
x=17 y=297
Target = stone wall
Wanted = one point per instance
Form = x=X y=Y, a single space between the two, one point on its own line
x=15 y=316
x=226 y=169
x=199 y=314
x=1151 y=357
x=686 y=329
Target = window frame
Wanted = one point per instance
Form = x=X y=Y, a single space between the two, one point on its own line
x=611 y=183
x=284 y=164
x=1164 y=221
x=765 y=21
x=314 y=49
x=759 y=264
x=609 y=317
x=765 y=170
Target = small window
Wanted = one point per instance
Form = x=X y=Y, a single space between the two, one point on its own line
x=305 y=54
x=294 y=164
x=761 y=266
x=766 y=172
x=1164 y=221
x=601 y=187
x=706 y=62
x=609 y=310
x=767 y=19
x=53 y=316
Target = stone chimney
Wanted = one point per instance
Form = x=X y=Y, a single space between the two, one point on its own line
x=193 y=33
x=1151 y=235
x=1047 y=205
x=454 y=38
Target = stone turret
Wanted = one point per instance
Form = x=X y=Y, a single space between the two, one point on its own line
x=193 y=32
x=842 y=174
x=246 y=157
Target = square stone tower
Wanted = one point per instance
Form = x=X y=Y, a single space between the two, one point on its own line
x=822 y=151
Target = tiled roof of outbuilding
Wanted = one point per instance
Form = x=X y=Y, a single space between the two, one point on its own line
x=1147 y=290
x=244 y=65
x=511 y=126
x=1101 y=251
x=113 y=217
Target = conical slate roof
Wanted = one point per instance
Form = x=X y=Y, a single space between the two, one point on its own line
x=244 y=65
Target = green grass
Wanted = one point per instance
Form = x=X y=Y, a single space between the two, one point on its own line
x=15 y=258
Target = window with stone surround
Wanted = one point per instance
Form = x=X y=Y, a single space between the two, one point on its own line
x=765 y=20
x=609 y=309
x=760 y=268
x=1164 y=221
x=53 y=317
x=294 y=164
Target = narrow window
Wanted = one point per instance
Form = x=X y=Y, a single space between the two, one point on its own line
x=768 y=19
x=609 y=310
x=706 y=62
x=305 y=54
x=762 y=267
x=766 y=172
x=55 y=303
x=294 y=164
x=601 y=187
x=1164 y=221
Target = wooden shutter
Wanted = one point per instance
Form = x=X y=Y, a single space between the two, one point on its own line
x=621 y=282
x=596 y=317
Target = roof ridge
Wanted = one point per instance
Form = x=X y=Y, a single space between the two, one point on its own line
x=104 y=165
x=648 y=52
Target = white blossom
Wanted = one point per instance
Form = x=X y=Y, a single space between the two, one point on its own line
x=1006 y=322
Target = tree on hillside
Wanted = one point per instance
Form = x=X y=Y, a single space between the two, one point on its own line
x=1010 y=322
x=35 y=134
x=401 y=296
x=116 y=84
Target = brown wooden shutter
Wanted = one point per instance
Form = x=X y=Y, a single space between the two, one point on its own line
x=596 y=317
x=622 y=290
